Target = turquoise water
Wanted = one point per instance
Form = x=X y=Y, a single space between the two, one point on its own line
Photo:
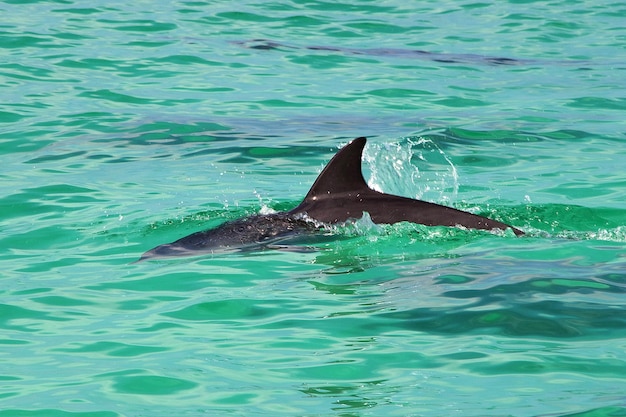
x=127 y=125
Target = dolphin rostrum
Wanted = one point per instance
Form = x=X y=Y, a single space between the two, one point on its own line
x=339 y=193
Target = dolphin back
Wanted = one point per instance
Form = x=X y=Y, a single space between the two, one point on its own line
x=340 y=193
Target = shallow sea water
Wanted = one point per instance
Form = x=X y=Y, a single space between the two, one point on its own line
x=127 y=125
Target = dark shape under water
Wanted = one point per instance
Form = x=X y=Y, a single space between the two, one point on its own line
x=339 y=194
x=446 y=58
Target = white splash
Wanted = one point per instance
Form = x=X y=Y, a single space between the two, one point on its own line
x=393 y=171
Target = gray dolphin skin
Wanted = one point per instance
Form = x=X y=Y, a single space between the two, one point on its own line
x=339 y=194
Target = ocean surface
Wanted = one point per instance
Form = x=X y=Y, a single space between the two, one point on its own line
x=125 y=125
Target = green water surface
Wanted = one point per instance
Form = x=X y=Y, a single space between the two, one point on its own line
x=127 y=125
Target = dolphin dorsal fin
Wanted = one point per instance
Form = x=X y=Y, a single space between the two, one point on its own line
x=342 y=174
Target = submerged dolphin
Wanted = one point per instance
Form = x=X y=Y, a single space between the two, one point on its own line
x=339 y=193
x=269 y=45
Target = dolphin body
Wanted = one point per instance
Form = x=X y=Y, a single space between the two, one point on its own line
x=269 y=45
x=339 y=193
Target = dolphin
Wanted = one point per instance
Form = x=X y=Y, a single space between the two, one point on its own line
x=339 y=194
x=269 y=45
